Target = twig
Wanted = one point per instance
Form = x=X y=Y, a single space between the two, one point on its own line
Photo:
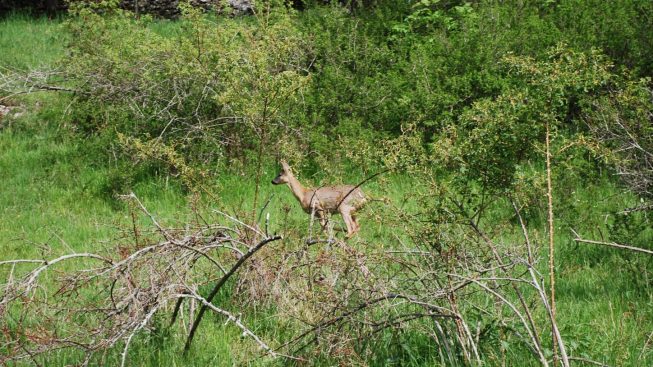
x=640 y=208
x=611 y=244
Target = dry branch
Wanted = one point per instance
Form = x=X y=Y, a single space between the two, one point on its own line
x=105 y=303
x=15 y=82
x=611 y=244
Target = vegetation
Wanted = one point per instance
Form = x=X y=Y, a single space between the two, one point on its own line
x=458 y=104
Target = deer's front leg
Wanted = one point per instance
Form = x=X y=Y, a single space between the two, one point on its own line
x=323 y=219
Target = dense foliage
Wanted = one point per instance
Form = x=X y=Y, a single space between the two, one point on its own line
x=475 y=82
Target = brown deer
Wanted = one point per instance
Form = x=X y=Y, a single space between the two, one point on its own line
x=345 y=199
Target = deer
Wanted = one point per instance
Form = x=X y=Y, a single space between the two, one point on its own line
x=325 y=200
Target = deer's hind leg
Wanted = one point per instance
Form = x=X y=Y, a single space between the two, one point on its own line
x=354 y=220
x=349 y=221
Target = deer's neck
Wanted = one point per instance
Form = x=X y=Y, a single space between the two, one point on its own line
x=297 y=189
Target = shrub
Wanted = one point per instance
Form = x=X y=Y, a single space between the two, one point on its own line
x=215 y=90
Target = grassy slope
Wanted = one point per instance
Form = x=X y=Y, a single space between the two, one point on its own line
x=50 y=196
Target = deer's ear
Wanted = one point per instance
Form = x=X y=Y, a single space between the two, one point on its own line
x=285 y=166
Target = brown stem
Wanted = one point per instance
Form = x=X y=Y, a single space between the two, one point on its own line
x=549 y=194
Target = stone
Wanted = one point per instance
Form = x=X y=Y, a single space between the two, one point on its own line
x=242 y=6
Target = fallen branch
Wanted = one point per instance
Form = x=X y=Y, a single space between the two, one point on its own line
x=611 y=244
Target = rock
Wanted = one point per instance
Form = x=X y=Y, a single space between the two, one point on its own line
x=241 y=6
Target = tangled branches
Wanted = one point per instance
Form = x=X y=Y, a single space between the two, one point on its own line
x=101 y=302
x=464 y=295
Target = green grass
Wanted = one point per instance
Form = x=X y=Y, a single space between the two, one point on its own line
x=52 y=202
x=28 y=42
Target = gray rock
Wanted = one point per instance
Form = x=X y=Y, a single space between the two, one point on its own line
x=242 y=6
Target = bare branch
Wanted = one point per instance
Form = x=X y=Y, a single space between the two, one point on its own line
x=611 y=244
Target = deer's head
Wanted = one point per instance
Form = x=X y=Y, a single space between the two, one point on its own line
x=284 y=175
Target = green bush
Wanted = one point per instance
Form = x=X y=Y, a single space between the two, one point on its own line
x=474 y=83
x=214 y=89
